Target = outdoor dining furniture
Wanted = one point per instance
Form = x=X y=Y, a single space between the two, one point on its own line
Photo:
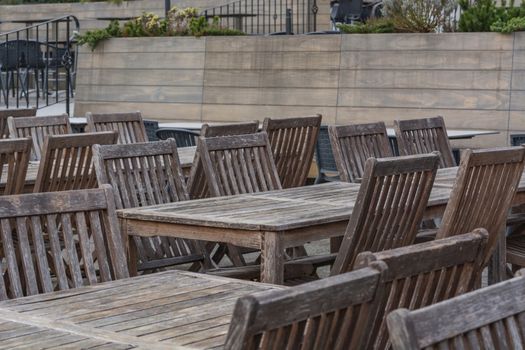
x=6 y=113
x=183 y=137
x=143 y=174
x=419 y=136
x=38 y=129
x=38 y=233
x=67 y=161
x=488 y=318
x=293 y=145
x=14 y=160
x=175 y=310
x=129 y=125
x=423 y=274
x=352 y=145
x=389 y=206
x=324 y=158
x=197 y=185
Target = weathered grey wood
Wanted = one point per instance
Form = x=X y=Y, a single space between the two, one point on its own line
x=427 y=135
x=67 y=162
x=352 y=145
x=143 y=174
x=14 y=161
x=6 y=113
x=75 y=240
x=197 y=180
x=333 y=313
x=389 y=207
x=165 y=310
x=38 y=129
x=423 y=274
x=130 y=126
x=293 y=144
x=484 y=190
x=488 y=318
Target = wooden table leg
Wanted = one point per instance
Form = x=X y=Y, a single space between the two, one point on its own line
x=498 y=262
x=272 y=258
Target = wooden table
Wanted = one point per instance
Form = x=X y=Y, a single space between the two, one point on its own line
x=186 y=155
x=269 y=221
x=167 y=310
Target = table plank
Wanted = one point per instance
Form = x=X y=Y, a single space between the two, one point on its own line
x=172 y=309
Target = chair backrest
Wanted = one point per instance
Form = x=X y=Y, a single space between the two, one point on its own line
x=482 y=195
x=58 y=241
x=229 y=129
x=130 y=126
x=293 y=144
x=183 y=137
x=237 y=164
x=332 y=313
x=354 y=144
x=423 y=274
x=324 y=155
x=389 y=208
x=67 y=161
x=488 y=318
x=14 y=160
x=38 y=128
x=426 y=135
x=197 y=185
x=6 y=113
x=16 y=54
x=141 y=174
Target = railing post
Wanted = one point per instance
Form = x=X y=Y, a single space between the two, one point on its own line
x=289 y=24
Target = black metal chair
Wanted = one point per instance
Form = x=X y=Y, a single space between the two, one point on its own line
x=346 y=11
x=20 y=57
x=324 y=157
x=183 y=137
x=517 y=139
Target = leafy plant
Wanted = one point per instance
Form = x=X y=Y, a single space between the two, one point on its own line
x=418 y=16
x=515 y=24
x=149 y=24
x=93 y=37
x=485 y=16
x=376 y=25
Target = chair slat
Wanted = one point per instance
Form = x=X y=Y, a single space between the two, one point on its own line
x=38 y=128
x=352 y=145
x=293 y=142
x=129 y=126
x=14 y=161
x=15 y=113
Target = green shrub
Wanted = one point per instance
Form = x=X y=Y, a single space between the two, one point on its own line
x=179 y=22
x=486 y=16
x=515 y=24
x=379 y=25
x=418 y=16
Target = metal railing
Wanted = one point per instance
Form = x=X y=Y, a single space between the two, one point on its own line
x=38 y=64
x=267 y=16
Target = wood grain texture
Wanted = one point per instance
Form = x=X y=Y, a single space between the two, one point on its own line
x=14 y=161
x=491 y=317
x=389 y=206
x=4 y=114
x=38 y=129
x=143 y=174
x=75 y=241
x=423 y=274
x=129 y=126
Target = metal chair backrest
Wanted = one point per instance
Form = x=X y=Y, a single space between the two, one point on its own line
x=183 y=137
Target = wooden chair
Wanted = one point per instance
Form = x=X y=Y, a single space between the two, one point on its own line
x=389 y=206
x=14 y=160
x=38 y=128
x=15 y=113
x=130 y=126
x=197 y=185
x=143 y=174
x=488 y=318
x=39 y=234
x=333 y=313
x=423 y=274
x=293 y=144
x=354 y=144
x=67 y=161
x=482 y=195
x=427 y=135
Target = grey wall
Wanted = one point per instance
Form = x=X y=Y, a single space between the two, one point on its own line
x=472 y=80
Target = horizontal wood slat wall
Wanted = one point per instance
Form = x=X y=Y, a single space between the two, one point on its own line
x=474 y=80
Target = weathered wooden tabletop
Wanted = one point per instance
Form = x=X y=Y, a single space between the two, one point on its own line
x=186 y=155
x=170 y=310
